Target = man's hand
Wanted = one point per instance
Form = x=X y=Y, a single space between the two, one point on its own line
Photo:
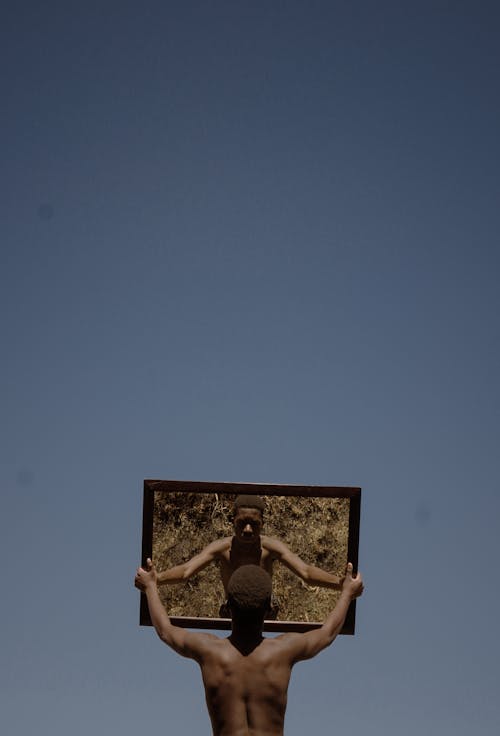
x=145 y=577
x=353 y=585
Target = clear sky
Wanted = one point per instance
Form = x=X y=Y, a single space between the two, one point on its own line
x=250 y=241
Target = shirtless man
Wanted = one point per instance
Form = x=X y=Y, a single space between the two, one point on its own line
x=248 y=547
x=246 y=676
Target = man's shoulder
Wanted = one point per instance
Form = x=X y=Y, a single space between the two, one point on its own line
x=284 y=639
x=205 y=637
x=272 y=544
x=277 y=648
x=211 y=647
x=283 y=644
x=204 y=642
x=219 y=546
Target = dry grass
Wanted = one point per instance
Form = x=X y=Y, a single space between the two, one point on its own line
x=314 y=528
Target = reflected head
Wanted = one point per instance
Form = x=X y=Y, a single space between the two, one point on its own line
x=248 y=518
x=248 y=501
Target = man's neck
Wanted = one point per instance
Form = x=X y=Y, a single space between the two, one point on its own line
x=246 y=637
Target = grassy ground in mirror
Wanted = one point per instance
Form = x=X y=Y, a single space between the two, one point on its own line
x=314 y=528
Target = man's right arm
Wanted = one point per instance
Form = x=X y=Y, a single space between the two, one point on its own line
x=184 y=642
x=305 y=646
x=186 y=570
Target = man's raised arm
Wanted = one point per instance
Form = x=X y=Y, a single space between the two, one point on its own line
x=305 y=646
x=182 y=641
x=186 y=570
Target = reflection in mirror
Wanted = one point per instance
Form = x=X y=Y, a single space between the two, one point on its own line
x=316 y=529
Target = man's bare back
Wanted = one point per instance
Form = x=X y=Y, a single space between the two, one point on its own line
x=246 y=676
x=245 y=692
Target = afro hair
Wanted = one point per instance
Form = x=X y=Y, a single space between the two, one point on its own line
x=249 y=588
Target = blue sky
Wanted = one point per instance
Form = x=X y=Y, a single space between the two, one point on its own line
x=250 y=242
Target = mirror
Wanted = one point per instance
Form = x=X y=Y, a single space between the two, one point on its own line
x=320 y=524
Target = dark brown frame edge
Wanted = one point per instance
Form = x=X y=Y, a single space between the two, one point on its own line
x=264 y=489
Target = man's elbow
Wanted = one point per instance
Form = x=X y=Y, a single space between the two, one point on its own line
x=165 y=635
x=174 y=639
x=162 y=633
x=307 y=575
x=326 y=640
x=321 y=641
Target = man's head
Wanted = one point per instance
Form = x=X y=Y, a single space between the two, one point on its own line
x=248 y=517
x=249 y=593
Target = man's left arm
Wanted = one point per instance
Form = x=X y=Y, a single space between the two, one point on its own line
x=304 y=646
x=310 y=574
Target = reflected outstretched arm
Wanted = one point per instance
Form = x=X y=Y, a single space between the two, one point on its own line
x=309 y=573
x=186 y=570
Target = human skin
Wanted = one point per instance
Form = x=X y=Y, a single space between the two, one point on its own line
x=248 y=547
x=245 y=675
